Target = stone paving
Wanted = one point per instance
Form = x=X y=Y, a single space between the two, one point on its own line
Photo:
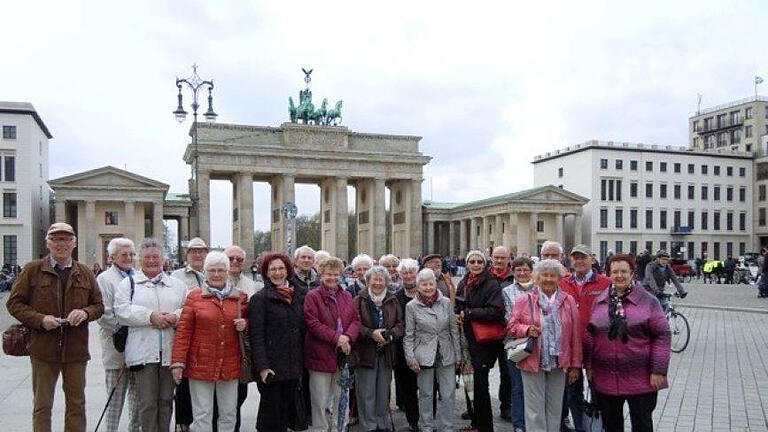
x=720 y=383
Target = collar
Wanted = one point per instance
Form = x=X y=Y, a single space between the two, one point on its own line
x=189 y=269
x=122 y=272
x=312 y=274
x=54 y=263
x=587 y=277
x=233 y=291
x=160 y=279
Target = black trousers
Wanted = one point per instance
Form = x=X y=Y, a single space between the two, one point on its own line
x=640 y=411
x=408 y=387
x=482 y=419
x=242 y=394
x=183 y=403
x=277 y=407
x=505 y=385
x=573 y=401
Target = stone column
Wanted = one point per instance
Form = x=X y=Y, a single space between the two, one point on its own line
x=204 y=206
x=90 y=232
x=244 y=204
x=511 y=241
x=473 y=233
x=462 y=237
x=416 y=217
x=157 y=222
x=379 y=218
x=430 y=246
x=534 y=234
x=282 y=192
x=497 y=230
x=577 y=230
x=60 y=213
x=451 y=239
x=183 y=229
x=484 y=237
x=130 y=220
x=342 y=223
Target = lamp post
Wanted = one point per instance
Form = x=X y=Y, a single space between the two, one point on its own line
x=195 y=83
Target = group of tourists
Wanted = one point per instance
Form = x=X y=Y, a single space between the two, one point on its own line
x=181 y=348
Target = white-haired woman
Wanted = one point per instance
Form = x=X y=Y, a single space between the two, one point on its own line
x=390 y=262
x=431 y=347
x=207 y=349
x=406 y=387
x=360 y=264
x=551 y=316
x=149 y=304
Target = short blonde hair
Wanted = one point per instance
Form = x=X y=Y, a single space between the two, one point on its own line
x=331 y=263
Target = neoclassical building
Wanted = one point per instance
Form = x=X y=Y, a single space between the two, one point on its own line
x=521 y=221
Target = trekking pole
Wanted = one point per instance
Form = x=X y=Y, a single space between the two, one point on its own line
x=111 y=393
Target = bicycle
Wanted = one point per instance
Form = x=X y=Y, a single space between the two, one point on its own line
x=680 y=330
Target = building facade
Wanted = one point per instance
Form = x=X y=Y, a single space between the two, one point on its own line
x=23 y=175
x=686 y=201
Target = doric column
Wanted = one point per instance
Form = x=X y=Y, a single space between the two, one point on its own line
x=342 y=223
x=484 y=237
x=473 y=233
x=243 y=201
x=577 y=230
x=282 y=193
x=415 y=225
x=379 y=218
x=497 y=231
x=430 y=246
x=462 y=237
x=129 y=220
x=511 y=241
x=90 y=232
x=559 y=234
x=183 y=229
x=204 y=206
x=157 y=221
x=534 y=233
x=451 y=239
x=60 y=214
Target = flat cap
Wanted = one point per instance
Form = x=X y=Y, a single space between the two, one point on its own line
x=60 y=227
x=582 y=249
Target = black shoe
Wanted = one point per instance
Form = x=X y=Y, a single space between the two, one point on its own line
x=413 y=428
x=465 y=415
x=684 y=294
x=506 y=414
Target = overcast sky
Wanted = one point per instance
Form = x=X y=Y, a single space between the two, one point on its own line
x=487 y=85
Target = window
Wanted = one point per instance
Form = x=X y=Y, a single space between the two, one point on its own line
x=710 y=141
x=695 y=142
x=704 y=221
x=110 y=218
x=619 y=164
x=603 y=189
x=649 y=246
x=663 y=166
x=649 y=190
x=689 y=250
x=722 y=120
x=649 y=219
x=619 y=246
x=603 y=250
x=748 y=112
x=761 y=216
x=691 y=217
x=676 y=168
x=619 y=218
x=663 y=245
x=704 y=169
x=663 y=190
x=633 y=247
x=691 y=192
x=716 y=191
x=663 y=219
x=742 y=248
x=729 y=193
x=748 y=132
x=704 y=192
x=633 y=218
x=708 y=122
x=704 y=247
x=729 y=221
x=560 y=172
x=742 y=172
x=633 y=190
x=10 y=250
x=9 y=132
x=649 y=166
x=677 y=191
x=761 y=193
x=10 y=168
x=742 y=194
x=716 y=220
x=540 y=226
x=603 y=218
x=717 y=170
x=676 y=220
x=735 y=117
x=695 y=126
x=633 y=165
x=9 y=204
x=729 y=171
x=691 y=169
x=603 y=163
x=716 y=247
x=742 y=221
x=722 y=139
x=729 y=249
x=610 y=190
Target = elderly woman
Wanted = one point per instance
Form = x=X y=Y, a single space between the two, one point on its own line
x=627 y=349
x=360 y=264
x=390 y=262
x=333 y=325
x=381 y=324
x=277 y=343
x=478 y=299
x=431 y=346
x=406 y=387
x=150 y=304
x=207 y=349
x=551 y=316
x=522 y=269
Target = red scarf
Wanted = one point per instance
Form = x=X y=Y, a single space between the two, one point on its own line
x=500 y=274
x=285 y=293
x=473 y=279
x=428 y=302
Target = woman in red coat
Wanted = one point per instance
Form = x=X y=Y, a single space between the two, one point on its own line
x=206 y=348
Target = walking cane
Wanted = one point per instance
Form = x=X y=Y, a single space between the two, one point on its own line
x=111 y=393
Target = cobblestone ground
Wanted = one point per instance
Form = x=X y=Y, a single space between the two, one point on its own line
x=719 y=383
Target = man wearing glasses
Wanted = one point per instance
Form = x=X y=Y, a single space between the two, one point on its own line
x=501 y=269
x=56 y=297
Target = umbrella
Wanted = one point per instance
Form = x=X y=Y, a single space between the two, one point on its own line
x=346 y=381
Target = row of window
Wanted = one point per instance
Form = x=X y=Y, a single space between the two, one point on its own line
x=9 y=132
x=663 y=167
x=678 y=225
x=678 y=249
x=610 y=190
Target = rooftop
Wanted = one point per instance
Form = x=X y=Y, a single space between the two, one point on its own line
x=732 y=104
x=431 y=205
x=639 y=147
x=24 y=108
x=172 y=196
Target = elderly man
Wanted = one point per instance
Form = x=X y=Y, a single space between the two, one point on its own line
x=360 y=264
x=122 y=253
x=501 y=269
x=56 y=297
x=304 y=275
x=584 y=285
x=192 y=276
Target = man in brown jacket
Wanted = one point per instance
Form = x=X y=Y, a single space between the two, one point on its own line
x=56 y=297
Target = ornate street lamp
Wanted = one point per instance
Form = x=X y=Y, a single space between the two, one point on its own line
x=195 y=83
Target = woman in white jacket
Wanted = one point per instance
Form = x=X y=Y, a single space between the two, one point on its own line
x=150 y=308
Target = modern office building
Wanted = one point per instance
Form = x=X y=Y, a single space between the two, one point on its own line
x=657 y=197
x=23 y=175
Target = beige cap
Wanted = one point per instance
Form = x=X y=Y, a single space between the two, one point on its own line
x=197 y=243
x=60 y=227
x=582 y=249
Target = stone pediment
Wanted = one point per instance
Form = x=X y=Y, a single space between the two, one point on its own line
x=109 y=178
x=550 y=194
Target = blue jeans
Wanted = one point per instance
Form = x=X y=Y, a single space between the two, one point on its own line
x=518 y=407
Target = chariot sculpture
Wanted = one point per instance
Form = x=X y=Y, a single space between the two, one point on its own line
x=306 y=112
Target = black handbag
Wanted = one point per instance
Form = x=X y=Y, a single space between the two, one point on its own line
x=120 y=337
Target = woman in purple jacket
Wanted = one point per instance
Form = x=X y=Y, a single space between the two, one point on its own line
x=626 y=349
x=333 y=325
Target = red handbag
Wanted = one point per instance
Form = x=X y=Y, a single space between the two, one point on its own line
x=487 y=332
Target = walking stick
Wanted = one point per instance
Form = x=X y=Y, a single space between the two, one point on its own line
x=109 y=399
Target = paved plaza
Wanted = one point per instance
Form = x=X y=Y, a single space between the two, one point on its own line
x=720 y=383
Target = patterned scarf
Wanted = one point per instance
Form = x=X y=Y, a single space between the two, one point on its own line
x=473 y=279
x=377 y=299
x=429 y=301
x=616 y=314
x=551 y=330
x=221 y=294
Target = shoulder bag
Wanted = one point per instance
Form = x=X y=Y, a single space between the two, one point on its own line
x=519 y=349
x=246 y=371
x=120 y=337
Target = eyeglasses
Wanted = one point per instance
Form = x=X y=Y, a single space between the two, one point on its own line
x=234 y=258
x=197 y=251
x=475 y=262
x=522 y=270
x=60 y=239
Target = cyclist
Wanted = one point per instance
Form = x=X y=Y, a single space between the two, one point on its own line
x=657 y=274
